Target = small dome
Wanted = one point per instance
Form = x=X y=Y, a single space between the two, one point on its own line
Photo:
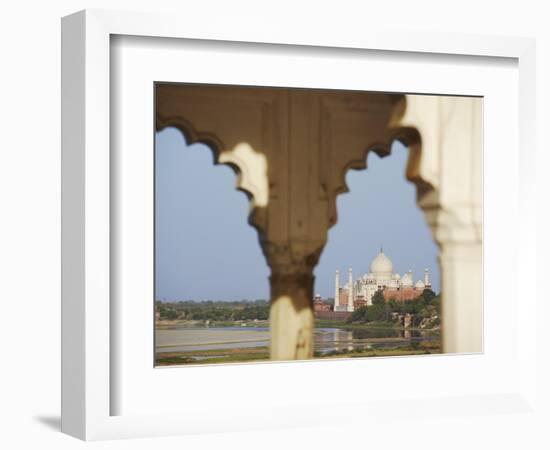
x=396 y=276
x=381 y=265
x=419 y=285
x=407 y=280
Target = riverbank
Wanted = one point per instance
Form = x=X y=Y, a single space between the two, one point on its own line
x=258 y=354
x=185 y=342
x=181 y=323
x=371 y=326
x=170 y=324
x=185 y=339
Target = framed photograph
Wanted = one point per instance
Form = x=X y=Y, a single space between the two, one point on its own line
x=263 y=231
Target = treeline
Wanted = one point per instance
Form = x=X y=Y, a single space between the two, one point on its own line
x=425 y=307
x=214 y=310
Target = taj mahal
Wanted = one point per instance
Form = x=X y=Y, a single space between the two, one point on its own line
x=380 y=278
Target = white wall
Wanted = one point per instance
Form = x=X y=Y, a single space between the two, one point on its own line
x=29 y=225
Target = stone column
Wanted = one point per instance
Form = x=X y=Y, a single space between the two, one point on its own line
x=337 y=290
x=461 y=305
x=291 y=315
x=450 y=142
x=350 y=290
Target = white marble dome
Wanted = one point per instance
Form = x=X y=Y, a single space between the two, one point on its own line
x=407 y=280
x=419 y=285
x=381 y=265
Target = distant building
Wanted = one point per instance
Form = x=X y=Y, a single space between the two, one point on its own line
x=380 y=278
x=319 y=305
x=325 y=311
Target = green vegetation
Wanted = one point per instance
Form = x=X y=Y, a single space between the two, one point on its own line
x=424 y=313
x=422 y=348
x=217 y=356
x=217 y=311
x=425 y=309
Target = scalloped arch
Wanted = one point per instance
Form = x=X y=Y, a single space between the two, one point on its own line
x=409 y=137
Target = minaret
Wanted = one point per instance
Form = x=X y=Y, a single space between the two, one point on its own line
x=350 y=290
x=337 y=291
x=427 y=278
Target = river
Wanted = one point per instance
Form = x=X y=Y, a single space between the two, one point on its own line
x=326 y=340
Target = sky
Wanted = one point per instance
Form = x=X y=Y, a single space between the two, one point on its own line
x=205 y=249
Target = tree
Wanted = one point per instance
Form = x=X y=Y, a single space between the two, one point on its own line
x=387 y=312
x=170 y=314
x=428 y=295
x=376 y=312
x=436 y=302
x=359 y=315
x=395 y=306
x=378 y=298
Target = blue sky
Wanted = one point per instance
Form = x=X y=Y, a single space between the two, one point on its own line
x=205 y=248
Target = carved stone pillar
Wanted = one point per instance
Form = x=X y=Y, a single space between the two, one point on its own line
x=291 y=315
x=448 y=130
x=462 y=307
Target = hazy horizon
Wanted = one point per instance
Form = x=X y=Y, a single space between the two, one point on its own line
x=195 y=257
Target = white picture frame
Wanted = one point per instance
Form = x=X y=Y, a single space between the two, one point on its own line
x=87 y=353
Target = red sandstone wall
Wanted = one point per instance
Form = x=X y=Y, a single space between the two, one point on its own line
x=343 y=300
x=332 y=315
x=402 y=295
x=320 y=306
